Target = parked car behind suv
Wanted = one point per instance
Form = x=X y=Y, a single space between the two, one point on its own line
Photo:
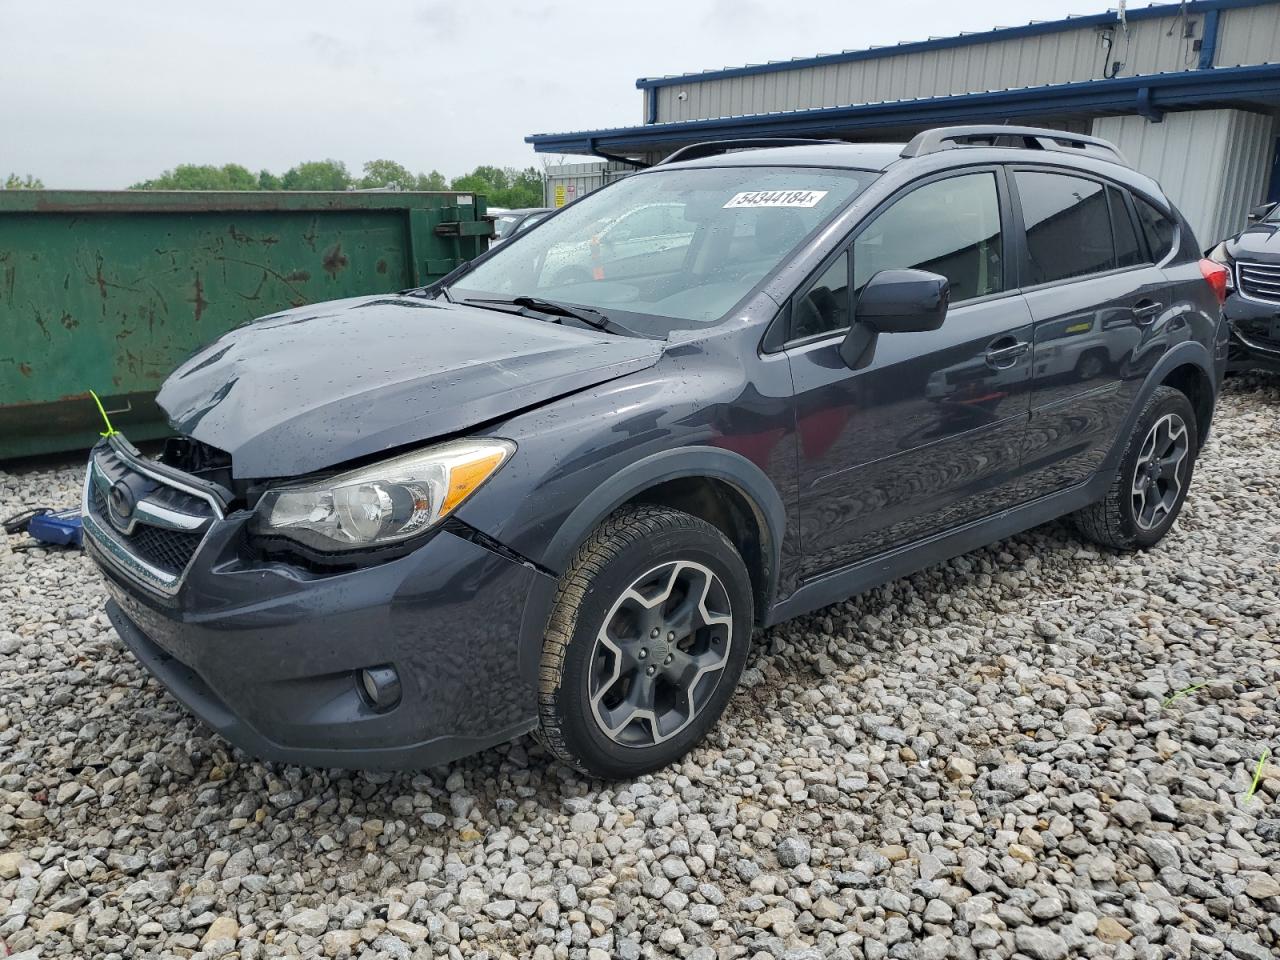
x=395 y=529
x=1252 y=258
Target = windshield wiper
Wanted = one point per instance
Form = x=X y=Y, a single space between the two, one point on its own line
x=589 y=315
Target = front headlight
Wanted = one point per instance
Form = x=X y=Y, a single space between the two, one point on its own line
x=1220 y=255
x=383 y=503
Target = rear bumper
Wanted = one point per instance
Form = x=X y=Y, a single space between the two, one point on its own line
x=270 y=657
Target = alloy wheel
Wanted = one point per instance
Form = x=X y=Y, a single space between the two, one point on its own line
x=1160 y=471
x=659 y=655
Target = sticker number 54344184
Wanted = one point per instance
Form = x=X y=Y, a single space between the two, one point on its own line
x=776 y=198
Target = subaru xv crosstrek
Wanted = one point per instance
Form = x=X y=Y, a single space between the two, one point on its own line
x=395 y=529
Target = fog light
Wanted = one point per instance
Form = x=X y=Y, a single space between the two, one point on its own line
x=381 y=686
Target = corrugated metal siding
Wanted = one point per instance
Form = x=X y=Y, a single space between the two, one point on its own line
x=584 y=177
x=1247 y=35
x=1212 y=163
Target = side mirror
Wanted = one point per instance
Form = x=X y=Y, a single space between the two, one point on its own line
x=1260 y=212
x=894 y=301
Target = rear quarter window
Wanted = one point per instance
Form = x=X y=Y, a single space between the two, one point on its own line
x=1157 y=227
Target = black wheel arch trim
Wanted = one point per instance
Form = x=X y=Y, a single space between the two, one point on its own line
x=702 y=461
x=1189 y=352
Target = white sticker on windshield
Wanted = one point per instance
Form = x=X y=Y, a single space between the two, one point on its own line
x=776 y=198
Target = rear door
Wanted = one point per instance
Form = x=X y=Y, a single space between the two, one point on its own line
x=927 y=435
x=1096 y=300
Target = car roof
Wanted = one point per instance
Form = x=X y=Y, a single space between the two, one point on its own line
x=522 y=211
x=854 y=156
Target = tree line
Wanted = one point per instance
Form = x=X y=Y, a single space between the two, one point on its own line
x=501 y=186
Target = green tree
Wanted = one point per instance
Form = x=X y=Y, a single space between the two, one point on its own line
x=316 y=175
x=504 y=186
x=268 y=180
x=192 y=176
x=434 y=180
x=386 y=173
x=15 y=182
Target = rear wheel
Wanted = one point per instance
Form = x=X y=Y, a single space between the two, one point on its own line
x=1153 y=478
x=645 y=644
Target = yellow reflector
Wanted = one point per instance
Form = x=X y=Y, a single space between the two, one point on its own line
x=464 y=478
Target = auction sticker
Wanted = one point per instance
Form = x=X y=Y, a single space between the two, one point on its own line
x=776 y=198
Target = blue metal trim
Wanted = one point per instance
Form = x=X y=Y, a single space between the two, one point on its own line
x=1251 y=86
x=943 y=43
x=652 y=105
x=1209 y=40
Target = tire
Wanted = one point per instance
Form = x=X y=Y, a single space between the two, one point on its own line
x=1091 y=365
x=591 y=691
x=1136 y=515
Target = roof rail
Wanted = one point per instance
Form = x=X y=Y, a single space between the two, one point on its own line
x=712 y=148
x=1028 y=138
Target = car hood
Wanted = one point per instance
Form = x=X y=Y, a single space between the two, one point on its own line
x=1261 y=241
x=320 y=385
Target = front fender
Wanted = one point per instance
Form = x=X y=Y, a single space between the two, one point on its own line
x=756 y=489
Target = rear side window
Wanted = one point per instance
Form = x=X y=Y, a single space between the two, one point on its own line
x=1068 y=226
x=950 y=227
x=1129 y=250
x=1157 y=227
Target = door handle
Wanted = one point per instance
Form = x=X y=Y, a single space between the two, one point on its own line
x=1146 y=310
x=1005 y=352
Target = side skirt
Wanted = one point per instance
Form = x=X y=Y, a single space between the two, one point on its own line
x=837 y=585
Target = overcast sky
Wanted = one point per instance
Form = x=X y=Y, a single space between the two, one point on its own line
x=100 y=95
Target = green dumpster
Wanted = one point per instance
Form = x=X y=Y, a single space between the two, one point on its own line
x=109 y=291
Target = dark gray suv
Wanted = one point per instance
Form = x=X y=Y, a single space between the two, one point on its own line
x=557 y=491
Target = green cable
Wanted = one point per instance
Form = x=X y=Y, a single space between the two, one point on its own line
x=105 y=419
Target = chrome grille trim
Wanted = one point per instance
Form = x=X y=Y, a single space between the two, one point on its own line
x=113 y=545
x=1259 y=282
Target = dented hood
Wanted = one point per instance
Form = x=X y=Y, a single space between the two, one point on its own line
x=317 y=386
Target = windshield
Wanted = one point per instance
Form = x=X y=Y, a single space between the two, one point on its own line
x=667 y=249
x=502 y=225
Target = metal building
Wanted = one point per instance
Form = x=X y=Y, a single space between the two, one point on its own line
x=1188 y=91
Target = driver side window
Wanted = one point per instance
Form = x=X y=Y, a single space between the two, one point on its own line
x=950 y=227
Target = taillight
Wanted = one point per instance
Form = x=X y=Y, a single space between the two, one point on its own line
x=1217 y=276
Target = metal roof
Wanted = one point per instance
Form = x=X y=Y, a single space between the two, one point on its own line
x=1251 y=87
x=852 y=156
x=1034 y=28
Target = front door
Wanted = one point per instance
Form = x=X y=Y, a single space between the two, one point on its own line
x=927 y=435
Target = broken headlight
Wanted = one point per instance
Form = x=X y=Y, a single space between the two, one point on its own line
x=383 y=503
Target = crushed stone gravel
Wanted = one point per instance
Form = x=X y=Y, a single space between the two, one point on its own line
x=981 y=760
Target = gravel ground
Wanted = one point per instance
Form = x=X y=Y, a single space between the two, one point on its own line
x=977 y=761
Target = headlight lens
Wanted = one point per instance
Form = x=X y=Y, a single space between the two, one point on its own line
x=1220 y=255
x=383 y=503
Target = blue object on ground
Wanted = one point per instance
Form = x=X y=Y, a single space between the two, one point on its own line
x=60 y=527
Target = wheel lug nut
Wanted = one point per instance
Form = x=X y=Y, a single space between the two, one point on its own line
x=668 y=660
x=671 y=636
x=651 y=671
x=654 y=633
x=643 y=653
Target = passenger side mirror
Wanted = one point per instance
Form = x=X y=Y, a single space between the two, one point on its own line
x=1259 y=213
x=894 y=301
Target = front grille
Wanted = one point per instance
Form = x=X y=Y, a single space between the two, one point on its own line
x=1259 y=281
x=145 y=521
x=167 y=550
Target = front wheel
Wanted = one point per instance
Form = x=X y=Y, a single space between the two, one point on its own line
x=645 y=644
x=1153 y=478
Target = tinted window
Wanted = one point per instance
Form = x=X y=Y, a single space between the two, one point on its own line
x=1068 y=226
x=951 y=227
x=1128 y=248
x=825 y=306
x=1157 y=227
